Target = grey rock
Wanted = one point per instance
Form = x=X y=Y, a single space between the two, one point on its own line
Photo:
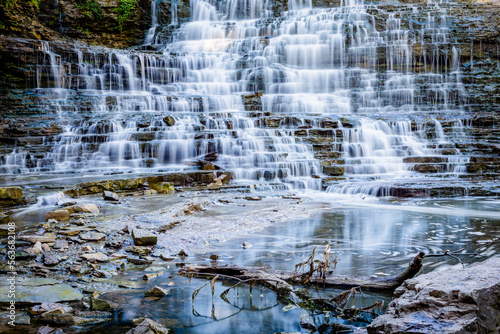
x=452 y=301
x=144 y=238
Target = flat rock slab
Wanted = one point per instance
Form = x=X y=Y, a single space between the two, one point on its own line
x=99 y=257
x=37 y=238
x=451 y=301
x=39 y=290
x=144 y=238
x=92 y=236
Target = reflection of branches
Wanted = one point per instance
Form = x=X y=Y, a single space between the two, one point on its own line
x=455 y=254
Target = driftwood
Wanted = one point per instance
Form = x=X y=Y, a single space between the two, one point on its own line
x=281 y=281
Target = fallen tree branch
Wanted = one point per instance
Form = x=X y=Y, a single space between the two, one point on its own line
x=280 y=281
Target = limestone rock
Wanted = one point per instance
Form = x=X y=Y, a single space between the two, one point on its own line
x=110 y=196
x=60 y=214
x=148 y=326
x=46 y=307
x=99 y=257
x=144 y=238
x=157 y=291
x=452 y=301
x=92 y=236
x=11 y=196
x=83 y=208
x=37 y=238
x=50 y=259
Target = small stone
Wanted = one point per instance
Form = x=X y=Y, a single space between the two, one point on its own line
x=69 y=232
x=83 y=208
x=50 y=259
x=139 y=261
x=45 y=248
x=75 y=269
x=36 y=249
x=152 y=275
x=169 y=120
x=255 y=198
x=144 y=238
x=99 y=257
x=157 y=291
x=214 y=257
x=37 y=238
x=142 y=250
x=167 y=258
x=182 y=253
x=97 y=304
x=117 y=256
x=247 y=245
x=46 y=307
x=87 y=249
x=52 y=221
x=22 y=319
x=148 y=326
x=61 y=244
x=58 y=215
x=110 y=196
x=92 y=236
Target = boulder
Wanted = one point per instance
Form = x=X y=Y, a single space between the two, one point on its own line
x=451 y=301
x=144 y=238
x=11 y=196
x=83 y=208
x=46 y=307
x=169 y=120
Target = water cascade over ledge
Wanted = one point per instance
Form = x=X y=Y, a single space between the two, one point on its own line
x=310 y=98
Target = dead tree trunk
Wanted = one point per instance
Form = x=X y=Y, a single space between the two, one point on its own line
x=280 y=281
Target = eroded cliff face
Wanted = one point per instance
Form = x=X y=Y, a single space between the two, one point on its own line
x=93 y=22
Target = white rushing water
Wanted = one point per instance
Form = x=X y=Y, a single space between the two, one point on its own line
x=158 y=111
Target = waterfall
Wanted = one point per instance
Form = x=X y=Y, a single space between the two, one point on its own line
x=258 y=90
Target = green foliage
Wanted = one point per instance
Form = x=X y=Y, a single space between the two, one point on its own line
x=125 y=10
x=90 y=8
x=36 y=3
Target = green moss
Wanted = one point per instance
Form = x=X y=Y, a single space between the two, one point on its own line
x=36 y=3
x=125 y=10
x=90 y=8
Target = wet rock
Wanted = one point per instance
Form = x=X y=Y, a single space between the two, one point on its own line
x=182 y=253
x=452 y=301
x=144 y=238
x=92 y=236
x=214 y=257
x=61 y=244
x=139 y=261
x=37 y=238
x=46 y=248
x=167 y=258
x=306 y=323
x=247 y=245
x=110 y=196
x=98 y=304
x=40 y=290
x=254 y=198
x=50 y=259
x=87 y=249
x=11 y=196
x=169 y=120
x=59 y=215
x=157 y=291
x=334 y=170
x=83 y=208
x=142 y=250
x=49 y=330
x=148 y=326
x=152 y=275
x=36 y=249
x=22 y=319
x=114 y=243
x=46 y=307
x=99 y=257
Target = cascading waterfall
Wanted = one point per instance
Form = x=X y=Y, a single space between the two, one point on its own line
x=156 y=112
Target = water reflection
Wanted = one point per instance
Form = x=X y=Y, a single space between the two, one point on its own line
x=370 y=240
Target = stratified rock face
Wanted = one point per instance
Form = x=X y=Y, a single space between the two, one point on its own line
x=454 y=301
